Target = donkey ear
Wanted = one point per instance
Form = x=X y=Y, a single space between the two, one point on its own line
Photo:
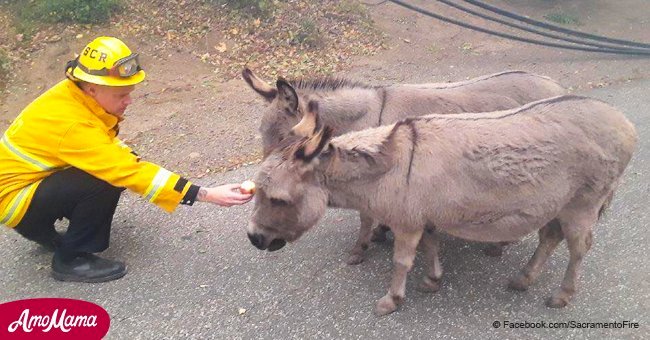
x=314 y=145
x=287 y=97
x=257 y=84
x=310 y=122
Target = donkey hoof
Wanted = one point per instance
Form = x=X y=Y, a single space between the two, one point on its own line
x=493 y=250
x=519 y=283
x=354 y=259
x=427 y=285
x=556 y=302
x=385 y=306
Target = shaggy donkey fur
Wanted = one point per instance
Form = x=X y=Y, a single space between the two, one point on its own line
x=350 y=106
x=549 y=166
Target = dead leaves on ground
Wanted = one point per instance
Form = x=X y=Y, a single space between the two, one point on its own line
x=299 y=38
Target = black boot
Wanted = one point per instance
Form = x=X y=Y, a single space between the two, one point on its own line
x=86 y=267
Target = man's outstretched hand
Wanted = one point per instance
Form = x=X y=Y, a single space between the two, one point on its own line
x=225 y=195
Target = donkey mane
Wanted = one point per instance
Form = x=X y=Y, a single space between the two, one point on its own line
x=408 y=122
x=482 y=78
x=327 y=84
x=335 y=83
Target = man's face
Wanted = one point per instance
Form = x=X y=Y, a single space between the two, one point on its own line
x=114 y=99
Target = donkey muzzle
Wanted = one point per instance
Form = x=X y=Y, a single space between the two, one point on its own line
x=277 y=244
x=257 y=240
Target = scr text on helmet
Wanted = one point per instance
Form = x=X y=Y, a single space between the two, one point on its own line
x=93 y=54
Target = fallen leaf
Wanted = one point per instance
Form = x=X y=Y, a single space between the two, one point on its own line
x=242 y=311
x=222 y=47
x=54 y=38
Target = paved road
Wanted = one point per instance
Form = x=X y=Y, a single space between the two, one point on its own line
x=192 y=272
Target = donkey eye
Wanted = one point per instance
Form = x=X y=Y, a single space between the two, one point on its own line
x=278 y=202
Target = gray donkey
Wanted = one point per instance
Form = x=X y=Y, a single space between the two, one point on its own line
x=549 y=166
x=350 y=106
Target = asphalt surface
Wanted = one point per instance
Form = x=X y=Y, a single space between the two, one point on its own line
x=194 y=274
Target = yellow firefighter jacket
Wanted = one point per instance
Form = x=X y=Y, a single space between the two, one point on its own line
x=64 y=127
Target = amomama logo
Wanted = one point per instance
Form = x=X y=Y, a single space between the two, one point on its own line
x=52 y=318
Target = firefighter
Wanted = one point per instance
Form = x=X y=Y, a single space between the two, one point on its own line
x=61 y=158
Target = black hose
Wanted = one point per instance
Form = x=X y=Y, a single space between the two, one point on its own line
x=513 y=37
x=524 y=28
x=556 y=28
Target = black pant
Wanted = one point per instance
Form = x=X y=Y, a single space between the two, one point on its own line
x=86 y=201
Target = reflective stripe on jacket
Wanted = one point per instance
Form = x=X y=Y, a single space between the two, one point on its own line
x=64 y=127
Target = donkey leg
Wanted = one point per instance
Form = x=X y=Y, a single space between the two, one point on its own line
x=365 y=230
x=431 y=247
x=403 y=256
x=549 y=237
x=579 y=238
x=379 y=233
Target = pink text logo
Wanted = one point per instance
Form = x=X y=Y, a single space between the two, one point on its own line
x=52 y=318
